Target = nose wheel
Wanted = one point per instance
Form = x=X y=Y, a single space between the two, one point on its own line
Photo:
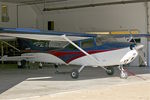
x=123 y=73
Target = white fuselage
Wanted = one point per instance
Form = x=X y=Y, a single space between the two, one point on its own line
x=108 y=58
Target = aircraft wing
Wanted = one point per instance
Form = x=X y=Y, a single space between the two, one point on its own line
x=42 y=35
x=130 y=35
x=55 y=36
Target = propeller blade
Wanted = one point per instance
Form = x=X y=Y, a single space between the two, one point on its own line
x=139 y=48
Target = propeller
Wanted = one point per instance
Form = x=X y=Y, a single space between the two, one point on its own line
x=138 y=48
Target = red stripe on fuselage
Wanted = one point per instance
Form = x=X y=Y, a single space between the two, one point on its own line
x=76 y=54
x=80 y=54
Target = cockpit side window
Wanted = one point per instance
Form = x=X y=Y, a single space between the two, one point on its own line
x=98 y=41
x=87 y=43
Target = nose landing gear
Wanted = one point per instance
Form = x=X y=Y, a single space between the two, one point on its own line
x=123 y=73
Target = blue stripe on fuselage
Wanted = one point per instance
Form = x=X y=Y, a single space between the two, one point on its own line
x=105 y=46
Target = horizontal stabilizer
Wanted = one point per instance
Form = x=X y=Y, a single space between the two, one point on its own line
x=15 y=58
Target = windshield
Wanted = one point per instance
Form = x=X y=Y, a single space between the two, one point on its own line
x=87 y=43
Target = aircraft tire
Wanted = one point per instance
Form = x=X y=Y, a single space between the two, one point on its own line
x=74 y=74
x=40 y=65
x=123 y=75
x=110 y=70
x=23 y=64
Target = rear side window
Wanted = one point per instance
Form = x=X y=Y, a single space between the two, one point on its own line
x=87 y=43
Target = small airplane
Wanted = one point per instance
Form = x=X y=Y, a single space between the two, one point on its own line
x=81 y=49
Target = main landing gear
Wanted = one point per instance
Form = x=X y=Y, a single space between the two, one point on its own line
x=56 y=68
x=22 y=64
x=40 y=65
x=110 y=70
x=75 y=72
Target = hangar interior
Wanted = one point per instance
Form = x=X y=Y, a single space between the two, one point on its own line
x=78 y=16
x=83 y=16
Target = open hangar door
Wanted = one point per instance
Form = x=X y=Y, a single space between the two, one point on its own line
x=97 y=15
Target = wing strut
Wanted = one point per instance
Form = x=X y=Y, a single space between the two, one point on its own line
x=10 y=46
x=90 y=56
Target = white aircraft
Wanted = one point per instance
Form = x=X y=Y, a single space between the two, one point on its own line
x=82 y=49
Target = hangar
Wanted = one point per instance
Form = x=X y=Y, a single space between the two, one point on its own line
x=92 y=17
